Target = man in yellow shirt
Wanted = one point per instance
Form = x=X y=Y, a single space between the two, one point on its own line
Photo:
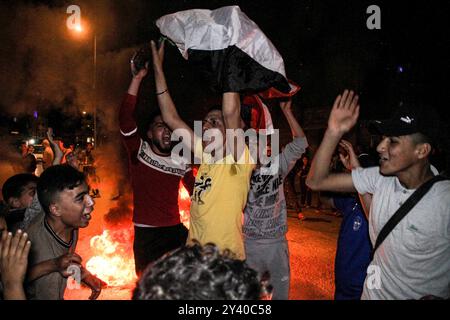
x=222 y=182
x=218 y=201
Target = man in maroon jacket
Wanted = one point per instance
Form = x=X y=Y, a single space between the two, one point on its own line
x=155 y=179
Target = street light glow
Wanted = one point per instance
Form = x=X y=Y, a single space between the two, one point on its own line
x=77 y=27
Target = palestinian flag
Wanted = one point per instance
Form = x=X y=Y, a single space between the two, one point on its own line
x=230 y=50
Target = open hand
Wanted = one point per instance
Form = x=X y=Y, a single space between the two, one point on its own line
x=55 y=143
x=344 y=113
x=348 y=157
x=14 y=257
x=286 y=105
x=157 y=56
x=50 y=135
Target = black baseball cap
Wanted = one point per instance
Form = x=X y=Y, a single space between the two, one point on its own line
x=409 y=119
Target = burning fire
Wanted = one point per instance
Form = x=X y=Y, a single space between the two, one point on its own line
x=112 y=251
x=112 y=259
x=184 y=204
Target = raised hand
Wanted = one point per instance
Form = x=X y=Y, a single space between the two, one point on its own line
x=286 y=105
x=56 y=147
x=138 y=74
x=348 y=156
x=50 y=135
x=14 y=257
x=53 y=142
x=157 y=56
x=344 y=113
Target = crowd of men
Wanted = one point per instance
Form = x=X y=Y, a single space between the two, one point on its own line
x=236 y=242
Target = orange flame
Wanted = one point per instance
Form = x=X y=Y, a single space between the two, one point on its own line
x=112 y=251
x=112 y=259
x=184 y=204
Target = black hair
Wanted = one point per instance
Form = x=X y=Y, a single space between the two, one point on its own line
x=199 y=273
x=216 y=107
x=54 y=180
x=367 y=160
x=419 y=138
x=246 y=113
x=14 y=186
x=151 y=118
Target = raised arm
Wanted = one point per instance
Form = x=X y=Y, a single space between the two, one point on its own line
x=127 y=123
x=294 y=149
x=138 y=76
x=55 y=146
x=343 y=117
x=296 y=129
x=231 y=110
x=169 y=112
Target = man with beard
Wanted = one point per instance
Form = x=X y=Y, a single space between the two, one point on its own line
x=155 y=179
x=413 y=260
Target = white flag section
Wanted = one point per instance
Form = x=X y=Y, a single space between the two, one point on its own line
x=228 y=48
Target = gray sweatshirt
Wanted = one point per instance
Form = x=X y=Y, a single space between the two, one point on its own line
x=265 y=215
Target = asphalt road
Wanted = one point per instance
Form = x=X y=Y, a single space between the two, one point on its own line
x=312 y=248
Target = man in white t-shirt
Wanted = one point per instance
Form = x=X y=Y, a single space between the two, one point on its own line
x=414 y=259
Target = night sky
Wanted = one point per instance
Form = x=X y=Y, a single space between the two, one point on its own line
x=325 y=44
